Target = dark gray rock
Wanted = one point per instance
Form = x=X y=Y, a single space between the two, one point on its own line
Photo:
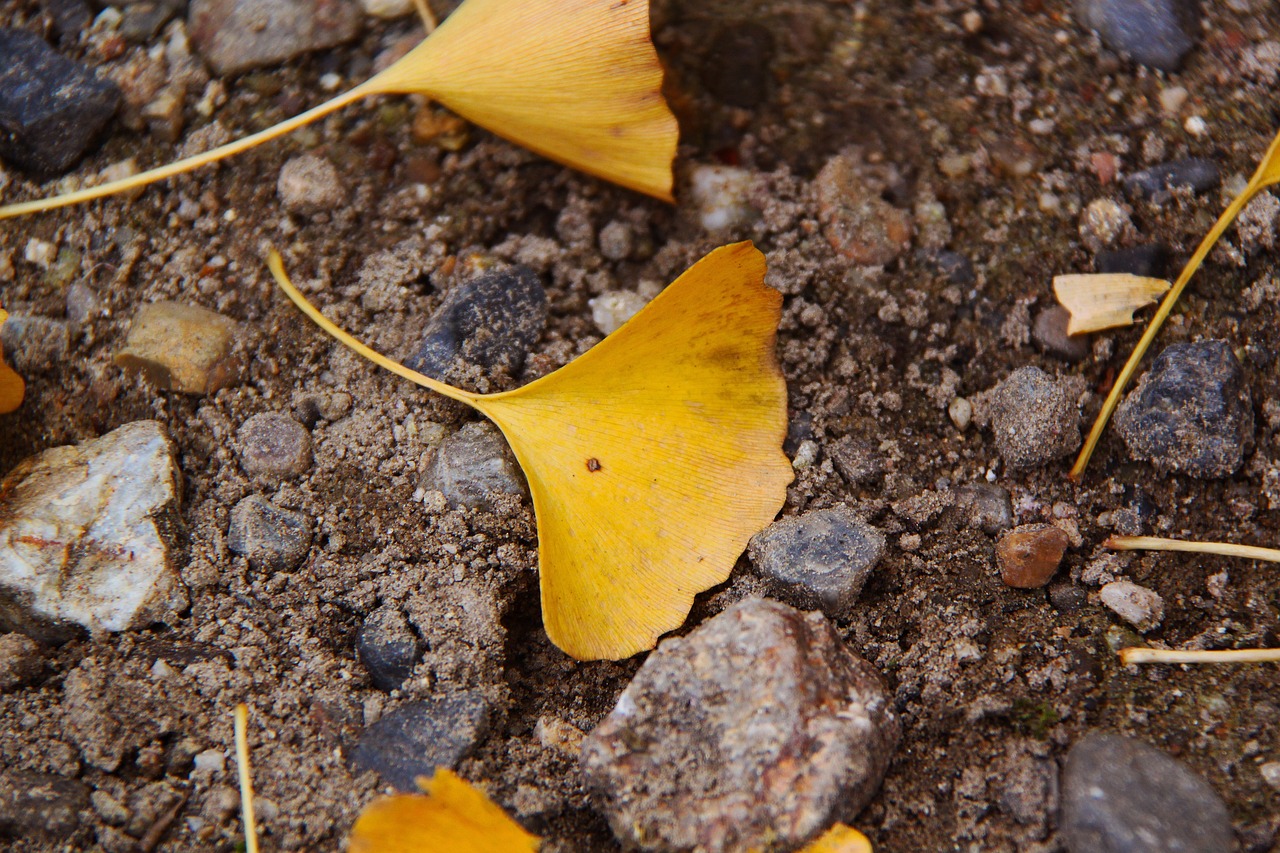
x=985 y=506
x=759 y=728
x=1156 y=33
x=735 y=67
x=1050 y=333
x=473 y=466
x=1067 y=598
x=388 y=647
x=51 y=109
x=1191 y=412
x=860 y=461
x=1148 y=260
x=489 y=322
x=271 y=538
x=1034 y=418
x=415 y=739
x=1158 y=182
x=274 y=446
x=42 y=806
x=1120 y=795
x=235 y=36
x=819 y=560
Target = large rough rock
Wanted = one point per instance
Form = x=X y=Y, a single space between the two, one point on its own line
x=759 y=729
x=235 y=36
x=1035 y=419
x=87 y=534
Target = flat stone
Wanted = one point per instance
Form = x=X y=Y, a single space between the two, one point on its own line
x=388 y=647
x=270 y=537
x=487 y=323
x=472 y=466
x=1034 y=418
x=1158 y=182
x=1141 y=607
x=818 y=560
x=182 y=348
x=274 y=446
x=42 y=806
x=20 y=661
x=860 y=225
x=1156 y=33
x=87 y=535
x=1120 y=795
x=1029 y=554
x=758 y=729
x=310 y=184
x=415 y=739
x=235 y=36
x=985 y=506
x=51 y=108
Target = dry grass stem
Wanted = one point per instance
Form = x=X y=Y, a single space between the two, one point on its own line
x=1139 y=655
x=1224 y=549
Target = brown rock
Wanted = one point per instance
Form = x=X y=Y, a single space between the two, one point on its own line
x=20 y=661
x=859 y=224
x=234 y=36
x=182 y=348
x=1029 y=554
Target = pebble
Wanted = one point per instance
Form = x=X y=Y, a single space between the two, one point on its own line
x=1104 y=222
x=1141 y=607
x=1049 y=331
x=957 y=268
x=415 y=739
x=489 y=322
x=775 y=726
x=720 y=197
x=1158 y=182
x=1155 y=33
x=860 y=225
x=274 y=446
x=51 y=108
x=860 y=461
x=388 y=10
x=735 y=65
x=1068 y=598
x=86 y=536
x=182 y=348
x=617 y=241
x=142 y=19
x=960 y=410
x=1148 y=260
x=1270 y=772
x=271 y=538
x=42 y=807
x=1191 y=412
x=819 y=560
x=612 y=308
x=1029 y=554
x=235 y=36
x=388 y=647
x=985 y=506
x=20 y=661
x=35 y=344
x=70 y=17
x=310 y=184
x=1122 y=796
x=471 y=466
x=1035 y=419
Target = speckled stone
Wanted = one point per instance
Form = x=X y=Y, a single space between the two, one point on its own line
x=388 y=647
x=270 y=537
x=758 y=729
x=1034 y=418
x=310 y=184
x=274 y=446
x=182 y=348
x=473 y=466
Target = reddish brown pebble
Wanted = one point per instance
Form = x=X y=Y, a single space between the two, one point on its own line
x=1029 y=554
x=860 y=225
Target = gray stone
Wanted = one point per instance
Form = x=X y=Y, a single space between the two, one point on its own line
x=20 y=661
x=489 y=322
x=1049 y=331
x=34 y=344
x=274 y=446
x=1120 y=795
x=1149 y=260
x=310 y=184
x=1158 y=182
x=388 y=647
x=760 y=728
x=1034 y=418
x=182 y=348
x=819 y=560
x=235 y=36
x=472 y=466
x=860 y=461
x=985 y=506
x=42 y=807
x=271 y=538
x=1141 y=607
x=415 y=739
x=87 y=535
x=1157 y=33
x=1191 y=412
x=1029 y=554
x=142 y=19
x=616 y=241
x=51 y=109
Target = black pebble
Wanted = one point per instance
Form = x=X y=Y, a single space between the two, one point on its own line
x=415 y=739
x=388 y=647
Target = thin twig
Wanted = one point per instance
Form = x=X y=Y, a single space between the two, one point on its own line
x=1159 y=543
x=246 y=780
x=429 y=22
x=1140 y=655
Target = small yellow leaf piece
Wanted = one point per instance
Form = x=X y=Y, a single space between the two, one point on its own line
x=577 y=81
x=452 y=817
x=1105 y=300
x=839 y=839
x=12 y=387
x=652 y=459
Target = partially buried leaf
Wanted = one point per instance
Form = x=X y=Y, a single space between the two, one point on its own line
x=11 y=385
x=840 y=839
x=577 y=81
x=451 y=817
x=652 y=459
x=1105 y=300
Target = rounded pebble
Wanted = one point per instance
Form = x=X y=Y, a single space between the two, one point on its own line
x=388 y=647
x=1035 y=419
x=612 y=308
x=1156 y=33
x=274 y=446
x=310 y=184
x=1029 y=555
x=270 y=537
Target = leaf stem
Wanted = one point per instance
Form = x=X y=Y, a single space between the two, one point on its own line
x=246 y=778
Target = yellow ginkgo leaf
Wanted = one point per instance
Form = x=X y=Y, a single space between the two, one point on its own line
x=451 y=817
x=1105 y=300
x=652 y=459
x=839 y=839
x=577 y=81
x=11 y=385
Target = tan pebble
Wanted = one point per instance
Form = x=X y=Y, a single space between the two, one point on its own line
x=1030 y=554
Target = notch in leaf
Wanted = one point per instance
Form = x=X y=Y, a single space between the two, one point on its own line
x=577 y=81
x=652 y=458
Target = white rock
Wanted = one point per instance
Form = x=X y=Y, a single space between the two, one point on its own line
x=719 y=195
x=85 y=533
x=612 y=308
x=1141 y=607
x=211 y=761
x=387 y=9
x=309 y=184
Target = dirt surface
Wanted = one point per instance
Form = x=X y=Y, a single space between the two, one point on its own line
x=993 y=684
